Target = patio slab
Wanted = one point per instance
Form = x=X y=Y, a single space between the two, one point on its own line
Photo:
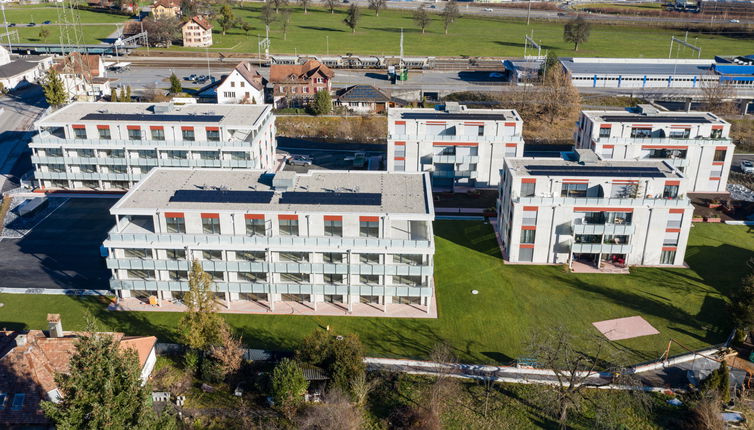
x=625 y=328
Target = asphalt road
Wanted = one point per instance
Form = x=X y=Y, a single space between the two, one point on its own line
x=19 y=111
x=62 y=251
x=330 y=156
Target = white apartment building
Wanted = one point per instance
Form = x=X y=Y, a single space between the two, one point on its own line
x=696 y=143
x=460 y=147
x=617 y=213
x=335 y=237
x=111 y=146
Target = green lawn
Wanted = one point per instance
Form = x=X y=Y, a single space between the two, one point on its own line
x=687 y=305
x=39 y=14
x=472 y=36
x=92 y=34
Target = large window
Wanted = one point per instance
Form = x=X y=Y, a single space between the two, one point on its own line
x=369 y=228
x=527 y=189
x=641 y=132
x=526 y=255
x=720 y=155
x=178 y=275
x=289 y=227
x=369 y=258
x=671 y=238
x=252 y=276
x=667 y=257
x=332 y=257
x=400 y=129
x=140 y=274
x=137 y=253
x=176 y=154
x=175 y=224
x=680 y=133
x=675 y=220
x=333 y=228
x=79 y=133
x=410 y=259
x=369 y=279
x=412 y=281
x=527 y=236
x=176 y=254
x=295 y=257
x=255 y=227
x=212 y=255
x=605 y=131
x=333 y=278
x=574 y=190
x=134 y=133
x=670 y=192
x=104 y=133
x=211 y=225
x=297 y=278
x=188 y=134
x=251 y=255
x=213 y=135
x=157 y=133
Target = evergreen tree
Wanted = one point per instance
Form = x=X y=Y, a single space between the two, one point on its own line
x=322 y=103
x=200 y=324
x=288 y=386
x=127 y=98
x=341 y=356
x=54 y=90
x=227 y=19
x=102 y=390
x=742 y=304
x=113 y=94
x=352 y=19
x=175 y=84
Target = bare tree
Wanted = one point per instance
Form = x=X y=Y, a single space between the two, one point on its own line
x=377 y=6
x=422 y=18
x=361 y=386
x=577 y=31
x=446 y=385
x=706 y=414
x=449 y=14
x=154 y=94
x=305 y=4
x=278 y=4
x=718 y=95
x=331 y=5
x=335 y=413
x=228 y=351
x=267 y=14
x=352 y=19
x=285 y=20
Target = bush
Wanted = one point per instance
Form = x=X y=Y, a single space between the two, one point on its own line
x=212 y=371
x=191 y=362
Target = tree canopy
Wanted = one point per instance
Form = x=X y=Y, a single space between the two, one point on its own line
x=576 y=31
x=200 y=324
x=54 y=90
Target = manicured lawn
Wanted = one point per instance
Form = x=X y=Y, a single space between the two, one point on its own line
x=40 y=14
x=473 y=36
x=687 y=305
x=92 y=34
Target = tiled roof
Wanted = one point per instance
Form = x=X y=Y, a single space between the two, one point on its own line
x=31 y=368
x=201 y=21
x=363 y=93
x=78 y=64
x=298 y=72
x=251 y=75
x=167 y=3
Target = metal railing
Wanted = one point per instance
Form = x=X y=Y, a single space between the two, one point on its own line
x=604 y=202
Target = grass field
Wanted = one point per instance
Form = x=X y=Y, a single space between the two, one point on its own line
x=39 y=14
x=92 y=34
x=687 y=305
x=472 y=36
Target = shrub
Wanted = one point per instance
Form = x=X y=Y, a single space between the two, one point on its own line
x=212 y=371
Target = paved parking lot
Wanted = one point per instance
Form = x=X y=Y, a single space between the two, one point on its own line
x=62 y=251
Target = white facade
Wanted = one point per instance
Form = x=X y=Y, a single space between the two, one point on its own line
x=459 y=147
x=696 y=143
x=553 y=211
x=236 y=88
x=294 y=238
x=639 y=73
x=106 y=146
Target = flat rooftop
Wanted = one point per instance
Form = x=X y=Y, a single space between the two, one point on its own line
x=605 y=169
x=648 y=67
x=661 y=117
x=255 y=190
x=464 y=115
x=229 y=115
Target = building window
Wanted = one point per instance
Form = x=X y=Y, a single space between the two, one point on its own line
x=255 y=227
x=104 y=133
x=412 y=281
x=140 y=253
x=212 y=255
x=216 y=276
x=641 y=132
x=716 y=134
x=251 y=256
x=719 y=155
x=114 y=153
x=404 y=300
x=157 y=133
x=369 y=300
x=175 y=224
x=18 y=401
x=527 y=189
x=297 y=278
x=527 y=236
x=369 y=258
x=239 y=155
x=209 y=155
x=574 y=190
x=369 y=279
x=332 y=257
x=333 y=278
x=211 y=225
x=252 y=276
x=400 y=129
x=79 y=133
x=670 y=192
x=178 y=275
x=294 y=257
x=526 y=255
x=176 y=155
x=187 y=134
x=334 y=228
x=140 y=274
x=369 y=228
x=675 y=220
x=176 y=254
x=667 y=257
x=134 y=134
x=410 y=259
x=671 y=238
x=213 y=135
x=288 y=227
x=605 y=131
x=680 y=134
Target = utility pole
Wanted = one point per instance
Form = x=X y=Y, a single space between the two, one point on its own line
x=528 y=13
x=5 y=22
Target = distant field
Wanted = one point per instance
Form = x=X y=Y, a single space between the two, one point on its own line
x=91 y=33
x=319 y=30
x=626 y=6
x=39 y=14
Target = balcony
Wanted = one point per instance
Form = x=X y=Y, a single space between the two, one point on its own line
x=603 y=202
x=86 y=176
x=48 y=139
x=661 y=141
x=457 y=138
x=454 y=159
x=598 y=229
x=604 y=248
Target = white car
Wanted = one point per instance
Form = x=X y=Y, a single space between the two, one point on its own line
x=734 y=21
x=747 y=166
x=488 y=9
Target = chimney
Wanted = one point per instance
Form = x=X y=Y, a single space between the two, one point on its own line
x=55 y=326
x=20 y=340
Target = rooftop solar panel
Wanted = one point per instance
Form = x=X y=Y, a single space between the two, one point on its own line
x=138 y=117
x=221 y=196
x=604 y=171
x=454 y=116
x=657 y=118
x=326 y=198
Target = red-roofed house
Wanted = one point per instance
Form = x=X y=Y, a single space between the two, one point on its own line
x=294 y=85
x=30 y=360
x=197 y=32
x=243 y=85
x=166 y=9
x=83 y=76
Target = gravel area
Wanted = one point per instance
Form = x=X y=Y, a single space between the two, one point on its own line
x=17 y=226
x=739 y=192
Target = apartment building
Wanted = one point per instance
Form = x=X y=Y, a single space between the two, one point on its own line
x=459 y=147
x=324 y=238
x=696 y=143
x=111 y=146
x=197 y=32
x=599 y=213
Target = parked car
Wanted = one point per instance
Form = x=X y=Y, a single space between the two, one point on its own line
x=32 y=24
x=47 y=22
x=496 y=75
x=488 y=9
x=734 y=21
x=300 y=160
x=12 y=24
x=747 y=166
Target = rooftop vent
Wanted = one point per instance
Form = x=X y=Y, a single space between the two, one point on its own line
x=164 y=108
x=454 y=107
x=647 y=109
x=54 y=325
x=283 y=181
x=20 y=340
x=586 y=156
